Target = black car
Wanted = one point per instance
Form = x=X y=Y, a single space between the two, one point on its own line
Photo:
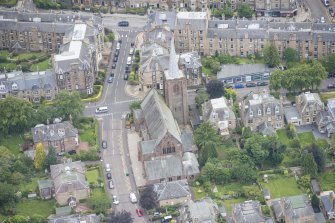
x=104 y=144
x=115 y=59
x=331 y=86
x=262 y=83
x=250 y=85
x=125 y=77
x=114 y=65
x=123 y=23
x=109 y=176
x=72 y=152
x=132 y=44
x=120 y=41
x=116 y=54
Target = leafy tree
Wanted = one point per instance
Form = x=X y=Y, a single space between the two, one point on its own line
x=51 y=158
x=246 y=132
x=208 y=151
x=329 y=63
x=317 y=73
x=228 y=13
x=44 y=113
x=230 y=94
x=215 y=89
x=201 y=98
x=205 y=134
x=256 y=149
x=121 y=217
x=99 y=203
x=7 y=198
x=291 y=55
x=16 y=178
x=215 y=66
x=244 y=10
x=244 y=173
x=148 y=198
x=135 y=105
x=69 y=104
x=216 y=12
x=319 y=156
x=6 y=162
x=39 y=156
x=215 y=172
x=271 y=55
x=252 y=193
x=276 y=150
x=305 y=183
x=308 y=165
x=16 y=115
x=276 y=80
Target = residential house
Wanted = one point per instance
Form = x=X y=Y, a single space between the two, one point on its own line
x=257 y=109
x=308 y=106
x=218 y=112
x=292 y=116
x=325 y=123
x=328 y=203
x=60 y=135
x=90 y=218
x=70 y=182
x=45 y=188
x=204 y=210
x=164 y=155
x=31 y=86
x=293 y=209
x=172 y=193
x=248 y=212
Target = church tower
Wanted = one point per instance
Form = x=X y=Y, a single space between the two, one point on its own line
x=175 y=88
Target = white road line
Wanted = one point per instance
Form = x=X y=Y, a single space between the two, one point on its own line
x=127 y=101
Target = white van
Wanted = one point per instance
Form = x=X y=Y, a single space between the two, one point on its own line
x=132 y=197
x=128 y=60
x=108 y=168
x=101 y=110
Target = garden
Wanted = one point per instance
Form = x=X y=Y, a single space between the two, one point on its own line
x=32 y=61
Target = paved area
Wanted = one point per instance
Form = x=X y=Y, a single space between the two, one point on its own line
x=134 y=91
x=312 y=128
x=133 y=139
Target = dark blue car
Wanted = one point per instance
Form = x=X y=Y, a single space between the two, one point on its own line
x=239 y=85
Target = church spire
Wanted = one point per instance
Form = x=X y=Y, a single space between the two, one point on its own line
x=174 y=71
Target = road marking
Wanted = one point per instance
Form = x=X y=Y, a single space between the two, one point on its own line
x=127 y=101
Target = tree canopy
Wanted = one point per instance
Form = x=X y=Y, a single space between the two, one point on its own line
x=39 y=156
x=271 y=55
x=308 y=165
x=291 y=55
x=319 y=156
x=215 y=89
x=244 y=10
x=329 y=63
x=69 y=104
x=121 y=217
x=148 y=198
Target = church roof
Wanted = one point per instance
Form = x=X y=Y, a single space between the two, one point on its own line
x=174 y=72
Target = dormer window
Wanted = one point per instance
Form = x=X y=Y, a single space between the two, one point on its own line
x=259 y=112
x=2 y=87
x=14 y=86
x=268 y=111
x=277 y=109
x=251 y=113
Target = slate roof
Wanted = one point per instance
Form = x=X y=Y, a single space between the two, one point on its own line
x=266 y=129
x=248 y=212
x=191 y=60
x=315 y=186
x=91 y=218
x=233 y=70
x=194 y=20
x=190 y=164
x=291 y=113
x=172 y=190
x=153 y=55
x=310 y=100
x=204 y=210
x=148 y=146
x=59 y=28
x=187 y=141
x=53 y=132
x=158 y=117
x=164 y=167
x=278 y=210
x=331 y=107
x=162 y=18
x=66 y=174
x=17 y=80
x=328 y=203
x=298 y=208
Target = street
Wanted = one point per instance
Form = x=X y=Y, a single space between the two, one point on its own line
x=317 y=9
x=112 y=128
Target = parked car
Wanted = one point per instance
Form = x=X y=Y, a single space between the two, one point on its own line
x=131 y=51
x=322 y=19
x=125 y=76
x=229 y=86
x=132 y=44
x=113 y=65
x=239 y=85
x=115 y=200
x=123 y=24
x=262 y=83
x=110 y=79
x=109 y=176
x=71 y=152
x=139 y=212
x=116 y=54
x=120 y=41
x=115 y=59
x=250 y=85
x=132 y=197
x=331 y=86
x=108 y=168
x=104 y=144
x=110 y=184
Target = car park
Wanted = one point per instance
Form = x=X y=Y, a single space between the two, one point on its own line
x=110 y=184
x=250 y=85
x=123 y=23
x=139 y=212
x=262 y=83
x=104 y=144
x=239 y=85
x=125 y=76
x=115 y=200
x=109 y=176
x=113 y=66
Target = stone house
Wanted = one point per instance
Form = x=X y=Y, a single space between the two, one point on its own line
x=257 y=109
x=31 y=86
x=218 y=112
x=308 y=106
x=60 y=135
x=70 y=182
x=248 y=212
x=164 y=153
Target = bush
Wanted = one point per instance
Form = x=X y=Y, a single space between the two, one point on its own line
x=90 y=155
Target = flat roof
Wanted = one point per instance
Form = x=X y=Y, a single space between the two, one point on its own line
x=79 y=31
x=72 y=53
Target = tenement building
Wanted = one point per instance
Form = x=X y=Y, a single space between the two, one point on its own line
x=195 y=31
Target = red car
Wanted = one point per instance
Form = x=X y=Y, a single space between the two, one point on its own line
x=139 y=212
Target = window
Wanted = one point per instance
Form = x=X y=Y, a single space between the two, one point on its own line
x=268 y=111
x=170 y=178
x=307 y=120
x=259 y=112
x=251 y=113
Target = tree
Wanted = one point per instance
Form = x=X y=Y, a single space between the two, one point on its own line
x=39 y=156
x=135 y=105
x=228 y=13
x=244 y=10
x=7 y=198
x=215 y=172
x=252 y=193
x=244 y=173
x=205 y=134
x=51 y=158
x=256 y=148
x=271 y=55
x=329 y=62
x=16 y=115
x=230 y=94
x=276 y=150
x=319 y=156
x=208 y=151
x=202 y=97
x=68 y=104
x=276 y=80
x=121 y=217
x=291 y=55
x=317 y=73
x=99 y=203
x=148 y=198
x=215 y=89
x=44 y=113
x=305 y=183
x=215 y=66
x=18 y=219
x=308 y=165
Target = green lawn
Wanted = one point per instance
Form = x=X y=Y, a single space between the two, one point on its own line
x=88 y=133
x=8 y=66
x=13 y=143
x=282 y=186
x=283 y=138
x=92 y=175
x=327 y=180
x=327 y=95
x=41 y=66
x=322 y=143
x=306 y=138
x=28 y=56
x=207 y=71
x=8 y=2
x=40 y=207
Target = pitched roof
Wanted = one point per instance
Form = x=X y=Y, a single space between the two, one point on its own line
x=204 y=210
x=187 y=141
x=315 y=186
x=172 y=190
x=266 y=129
x=190 y=164
x=298 y=208
x=158 y=117
x=174 y=71
x=328 y=203
x=291 y=113
x=91 y=218
x=248 y=212
x=53 y=132
x=164 y=167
